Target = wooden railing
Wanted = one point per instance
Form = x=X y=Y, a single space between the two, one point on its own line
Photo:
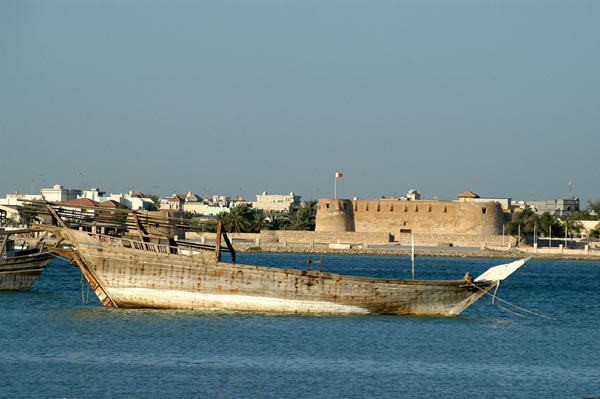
x=137 y=244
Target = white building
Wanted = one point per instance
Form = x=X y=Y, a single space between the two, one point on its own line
x=55 y=194
x=505 y=203
x=207 y=207
x=214 y=210
x=17 y=199
x=59 y=194
x=172 y=203
x=275 y=202
x=131 y=200
x=93 y=194
x=140 y=203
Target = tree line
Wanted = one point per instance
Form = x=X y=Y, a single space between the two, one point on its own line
x=245 y=219
x=527 y=222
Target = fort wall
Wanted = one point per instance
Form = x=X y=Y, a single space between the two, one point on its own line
x=390 y=221
x=397 y=217
x=287 y=238
x=335 y=215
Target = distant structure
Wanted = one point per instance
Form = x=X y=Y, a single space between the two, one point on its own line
x=93 y=194
x=16 y=199
x=193 y=203
x=401 y=216
x=413 y=195
x=173 y=203
x=133 y=199
x=275 y=202
x=55 y=194
x=81 y=206
x=555 y=207
x=468 y=196
x=506 y=203
x=197 y=206
x=59 y=194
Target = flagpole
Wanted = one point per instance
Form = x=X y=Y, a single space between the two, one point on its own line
x=337 y=175
x=335 y=187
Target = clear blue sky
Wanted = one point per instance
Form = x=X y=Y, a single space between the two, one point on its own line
x=238 y=97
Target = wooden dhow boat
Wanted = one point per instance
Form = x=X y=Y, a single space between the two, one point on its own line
x=20 y=267
x=137 y=268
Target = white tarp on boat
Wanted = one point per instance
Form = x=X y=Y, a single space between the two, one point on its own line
x=500 y=272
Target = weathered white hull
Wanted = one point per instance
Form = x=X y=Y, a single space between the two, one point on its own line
x=165 y=281
x=172 y=299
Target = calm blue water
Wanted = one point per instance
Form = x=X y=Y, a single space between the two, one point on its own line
x=55 y=346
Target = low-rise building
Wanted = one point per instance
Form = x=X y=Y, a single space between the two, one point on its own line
x=468 y=196
x=555 y=207
x=79 y=209
x=59 y=194
x=275 y=202
x=506 y=203
x=93 y=194
x=132 y=200
x=207 y=207
x=588 y=226
x=17 y=199
x=172 y=203
x=193 y=204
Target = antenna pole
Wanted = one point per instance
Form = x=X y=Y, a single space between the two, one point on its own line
x=412 y=255
x=570 y=190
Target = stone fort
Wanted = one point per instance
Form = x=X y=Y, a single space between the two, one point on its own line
x=401 y=217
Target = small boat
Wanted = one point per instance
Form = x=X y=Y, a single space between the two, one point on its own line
x=20 y=266
x=136 y=267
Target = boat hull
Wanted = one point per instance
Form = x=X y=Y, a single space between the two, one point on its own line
x=146 y=275
x=20 y=272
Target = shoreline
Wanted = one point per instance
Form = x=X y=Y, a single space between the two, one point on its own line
x=433 y=252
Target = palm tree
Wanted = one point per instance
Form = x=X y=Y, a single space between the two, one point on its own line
x=277 y=222
x=523 y=223
x=573 y=226
x=259 y=221
x=300 y=217
x=239 y=219
x=550 y=225
x=222 y=217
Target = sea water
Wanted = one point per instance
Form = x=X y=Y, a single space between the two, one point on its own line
x=57 y=341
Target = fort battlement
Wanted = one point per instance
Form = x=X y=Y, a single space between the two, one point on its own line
x=397 y=217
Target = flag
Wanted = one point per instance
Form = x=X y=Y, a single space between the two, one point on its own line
x=339 y=174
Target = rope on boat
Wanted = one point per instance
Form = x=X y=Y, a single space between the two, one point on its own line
x=85 y=297
x=522 y=309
